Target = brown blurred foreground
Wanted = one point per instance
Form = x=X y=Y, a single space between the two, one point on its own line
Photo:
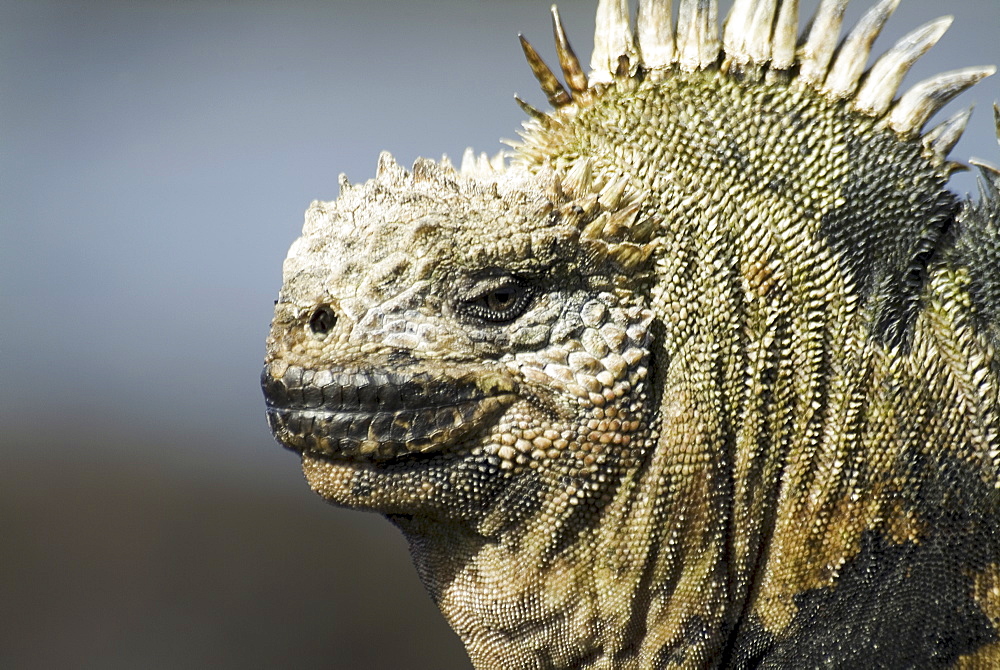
x=110 y=567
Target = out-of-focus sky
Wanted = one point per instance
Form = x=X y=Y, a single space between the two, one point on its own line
x=155 y=161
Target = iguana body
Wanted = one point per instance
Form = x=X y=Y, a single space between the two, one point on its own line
x=707 y=377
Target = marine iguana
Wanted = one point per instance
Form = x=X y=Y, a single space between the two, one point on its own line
x=705 y=375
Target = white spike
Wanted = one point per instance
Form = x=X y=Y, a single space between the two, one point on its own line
x=611 y=194
x=883 y=79
x=425 y=170
x=759 y=37
x=594 y=229
x=578 y=179
x=943 y=138
x=612 y=38
x=698 y=33
x=920 y=102
x=734 y=30
x=818 y=49
x=468 y=167
x=483 y=166
x=786 y=28
x=853 y=54
x=748 y=31
x=498 y=162
x=386 y=164
x=388 y=170
x=655 y=30
x=989 y=171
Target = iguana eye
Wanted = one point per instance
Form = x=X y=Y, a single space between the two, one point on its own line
x=322 y=321
x=498 y=300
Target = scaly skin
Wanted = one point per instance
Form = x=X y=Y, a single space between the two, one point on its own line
x=709 y=377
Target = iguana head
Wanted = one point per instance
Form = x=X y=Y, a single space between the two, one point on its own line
x=441 y=336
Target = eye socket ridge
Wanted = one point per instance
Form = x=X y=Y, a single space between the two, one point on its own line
x=498 y=300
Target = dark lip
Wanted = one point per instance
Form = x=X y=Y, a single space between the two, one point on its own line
x=386 y=416
x=364 y=392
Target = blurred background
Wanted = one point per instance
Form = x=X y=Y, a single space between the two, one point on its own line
x=155 y=161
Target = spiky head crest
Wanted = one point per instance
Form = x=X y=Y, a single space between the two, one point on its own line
x=759 y=42
x=599 y=212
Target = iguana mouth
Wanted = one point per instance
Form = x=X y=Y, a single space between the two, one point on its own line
x=377 y=415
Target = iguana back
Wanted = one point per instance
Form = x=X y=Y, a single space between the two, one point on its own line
x=707 y=376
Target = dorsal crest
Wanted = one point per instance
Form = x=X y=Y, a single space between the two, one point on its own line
x=759 y=40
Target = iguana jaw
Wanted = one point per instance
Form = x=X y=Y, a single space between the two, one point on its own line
x=377 y=416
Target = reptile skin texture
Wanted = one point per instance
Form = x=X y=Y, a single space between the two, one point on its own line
x=703 y=373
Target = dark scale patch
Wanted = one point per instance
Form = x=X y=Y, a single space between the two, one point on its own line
x=362 y=488
x=748 y=646
x=894 y=322
x=894 y=605
x=777 y=185
x=887 y=231
x=976 y=246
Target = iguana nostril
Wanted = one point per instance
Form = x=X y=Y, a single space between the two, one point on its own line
x=322 y=320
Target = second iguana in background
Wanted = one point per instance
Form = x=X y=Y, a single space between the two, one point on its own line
x=707 y=376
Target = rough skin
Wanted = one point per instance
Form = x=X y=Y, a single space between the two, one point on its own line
x=709 y=377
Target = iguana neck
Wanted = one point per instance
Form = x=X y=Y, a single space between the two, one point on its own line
x=619 y=593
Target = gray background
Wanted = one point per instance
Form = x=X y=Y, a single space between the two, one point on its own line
x=155 y=160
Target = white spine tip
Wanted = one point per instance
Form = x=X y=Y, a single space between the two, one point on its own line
x=655 y=33
x=923 y=100
x=854 y=51
x=943 y=138
x=612 y=38
x=698 y=34
x=883 y=79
